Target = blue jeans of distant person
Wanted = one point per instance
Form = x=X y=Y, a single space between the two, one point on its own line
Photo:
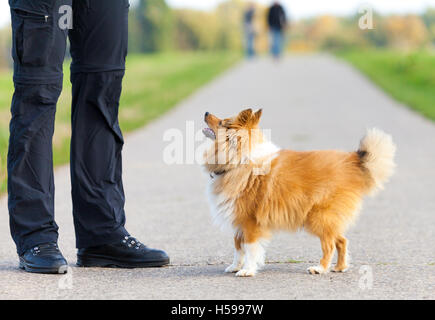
x=250 y=44
x=276 y=42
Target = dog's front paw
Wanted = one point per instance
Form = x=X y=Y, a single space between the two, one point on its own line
x=232 y=268
x=246 y=273
x=316 y=270
x=340 y=269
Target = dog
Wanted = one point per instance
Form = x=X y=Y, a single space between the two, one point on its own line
x=257 y=188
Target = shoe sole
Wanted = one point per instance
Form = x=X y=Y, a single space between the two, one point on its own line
x=32 y=269
x=94 y=262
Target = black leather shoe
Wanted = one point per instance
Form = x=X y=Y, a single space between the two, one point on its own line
x=128 y=253
x=44 y=258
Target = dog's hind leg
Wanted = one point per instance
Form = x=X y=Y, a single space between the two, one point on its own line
x=239 y=254
x=326 y=226
x=328 y=247
x=341 y=245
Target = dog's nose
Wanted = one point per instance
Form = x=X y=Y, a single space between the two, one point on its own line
x=206 y=114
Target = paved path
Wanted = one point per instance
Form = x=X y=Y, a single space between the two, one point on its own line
x=310 y=102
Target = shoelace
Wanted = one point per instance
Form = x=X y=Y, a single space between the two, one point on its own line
x=46 y=248
x=131 y=242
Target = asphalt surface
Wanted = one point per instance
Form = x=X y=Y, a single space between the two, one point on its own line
x=309 y=102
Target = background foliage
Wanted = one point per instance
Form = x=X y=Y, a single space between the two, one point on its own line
x=156 y=27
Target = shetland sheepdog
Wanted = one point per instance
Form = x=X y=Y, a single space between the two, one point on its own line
x=257 y=188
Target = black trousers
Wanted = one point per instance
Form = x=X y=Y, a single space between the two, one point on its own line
x=98 y=41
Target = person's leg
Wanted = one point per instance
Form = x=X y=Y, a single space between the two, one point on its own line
x=247 y=44
x=38 y=52
x=248 y=40
x=277 y=43
x=273 y=42
x=280 y=42
x=98 y=48
x=251 y=44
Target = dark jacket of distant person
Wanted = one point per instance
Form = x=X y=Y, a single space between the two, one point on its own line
x=276 y=17
x=249 y=16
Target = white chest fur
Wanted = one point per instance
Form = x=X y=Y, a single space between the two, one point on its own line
x=221 y=207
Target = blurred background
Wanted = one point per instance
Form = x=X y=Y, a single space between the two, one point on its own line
x=176 y=46
x=162 y=25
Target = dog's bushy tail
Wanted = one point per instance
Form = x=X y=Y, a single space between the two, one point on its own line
x=376 y=152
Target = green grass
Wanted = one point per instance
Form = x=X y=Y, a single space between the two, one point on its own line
x=295 y=261
x=407 y=77
x=153 y=84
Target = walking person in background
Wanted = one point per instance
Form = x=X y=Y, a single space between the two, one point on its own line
x=249 y=29
x=277 y=22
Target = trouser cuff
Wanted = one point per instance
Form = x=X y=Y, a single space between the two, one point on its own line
x=115 y=236
x=35 y=240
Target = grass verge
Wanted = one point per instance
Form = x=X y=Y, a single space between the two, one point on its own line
x=407 y=77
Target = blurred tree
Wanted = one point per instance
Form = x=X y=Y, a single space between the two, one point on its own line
x=5 y=48
x=377 y=36
x=230 y=17
x=196 y=30
x=406 y=32
x=323 y=27
x=219 y=29
x=429 y=20
x=429 y=17
x=154 y=26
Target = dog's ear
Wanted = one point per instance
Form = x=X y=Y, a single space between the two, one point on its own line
x=257 y=116
x=245 y=116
